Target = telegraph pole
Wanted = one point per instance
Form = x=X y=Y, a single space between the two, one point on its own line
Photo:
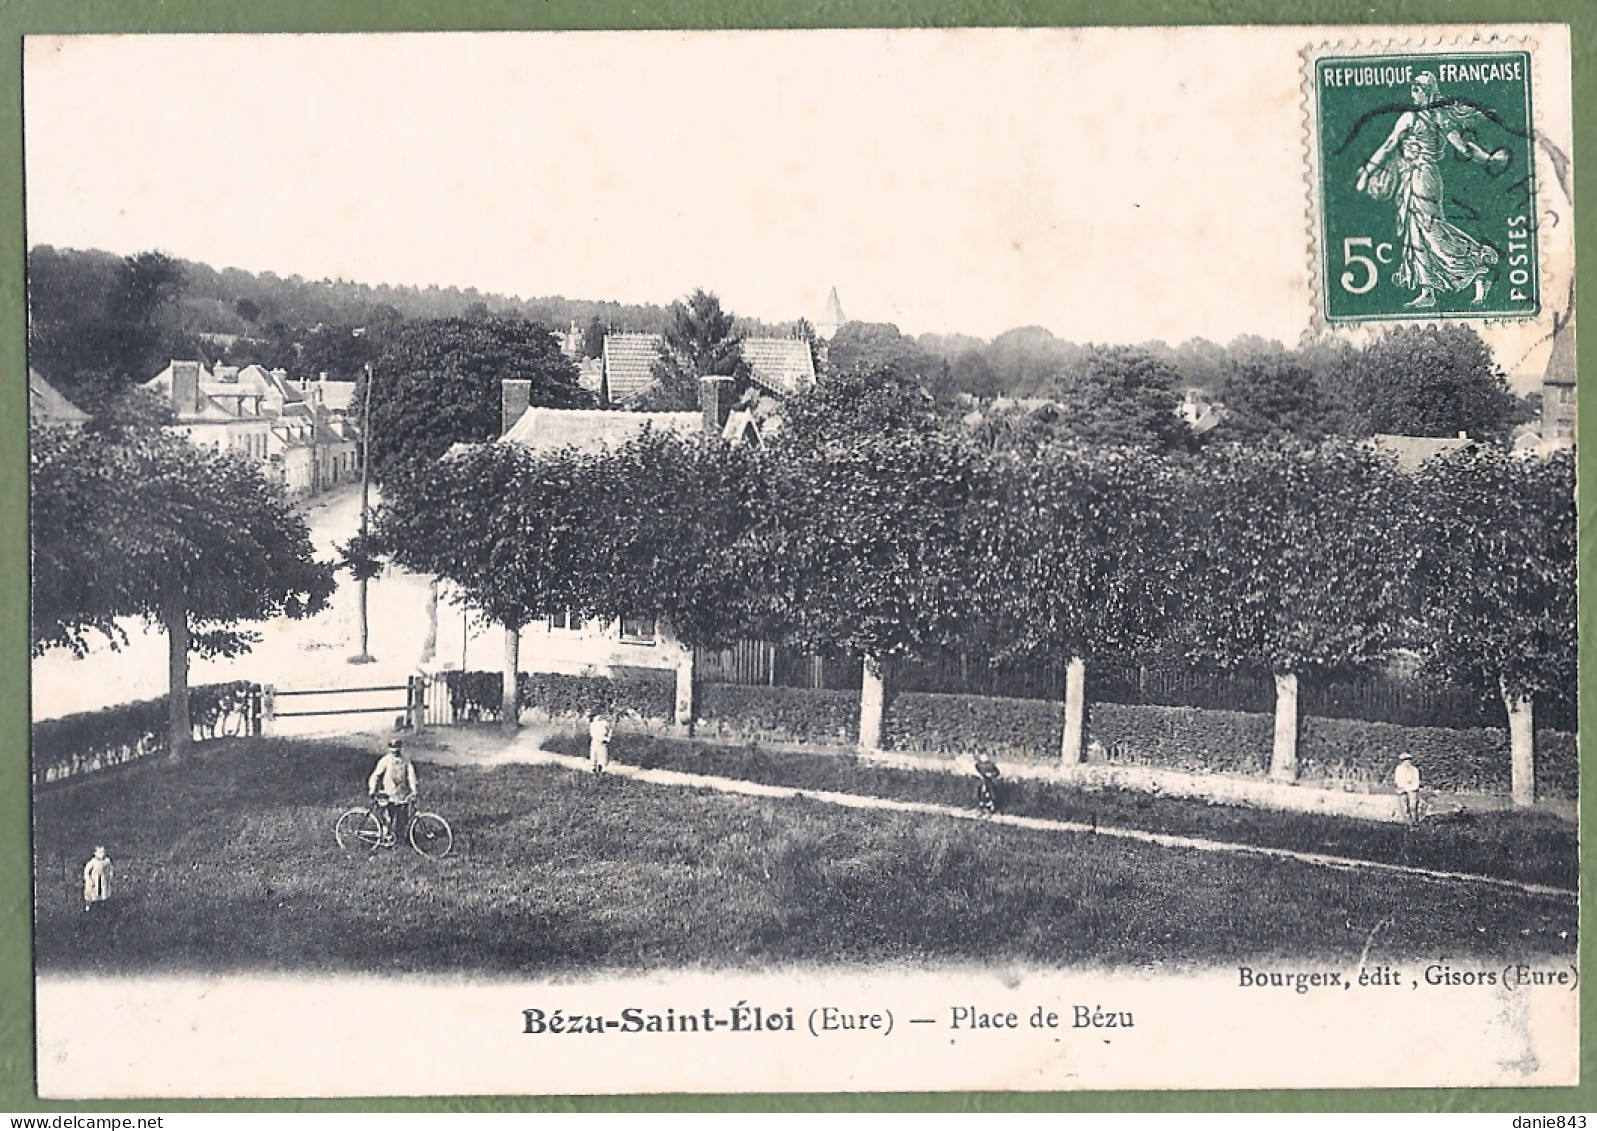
x=364 y=656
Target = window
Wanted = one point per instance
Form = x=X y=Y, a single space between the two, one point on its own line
x=566 y=621
x=637 y=629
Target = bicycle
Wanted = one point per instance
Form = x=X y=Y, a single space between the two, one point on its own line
x=428 y=833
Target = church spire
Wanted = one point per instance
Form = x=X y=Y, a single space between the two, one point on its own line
x=833 y=319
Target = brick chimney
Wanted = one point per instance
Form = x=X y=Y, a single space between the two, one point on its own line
x=715 y=397
x=515 y=396
x=185 y=387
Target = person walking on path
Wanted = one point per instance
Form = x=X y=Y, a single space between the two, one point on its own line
x=1407 y=779
x=987 y=776
x=96 y=879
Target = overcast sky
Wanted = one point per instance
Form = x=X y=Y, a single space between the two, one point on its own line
x=1111 y=186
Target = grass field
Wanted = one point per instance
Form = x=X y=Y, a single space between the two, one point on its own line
x=228 y=863
x=1529 y=847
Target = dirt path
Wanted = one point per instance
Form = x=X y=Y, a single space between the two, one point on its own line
x=490 y=748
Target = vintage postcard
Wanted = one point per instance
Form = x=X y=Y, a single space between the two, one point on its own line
x=807 y=561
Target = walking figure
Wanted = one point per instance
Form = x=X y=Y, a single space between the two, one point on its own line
x=96 y=879
x=987 y=776
x=1407 y=779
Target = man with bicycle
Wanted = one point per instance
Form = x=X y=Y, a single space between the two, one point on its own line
x=393 y=787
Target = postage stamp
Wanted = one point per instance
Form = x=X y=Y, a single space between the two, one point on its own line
x=1426 y=185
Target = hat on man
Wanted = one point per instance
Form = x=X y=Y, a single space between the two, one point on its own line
x=396 y=745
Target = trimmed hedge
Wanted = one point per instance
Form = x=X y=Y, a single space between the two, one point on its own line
x=1182 y=738
x=1332 y=753
x=1008 y=729
x=779 y=714
x=94 y=740
x=648 y=693
x=1360 y=755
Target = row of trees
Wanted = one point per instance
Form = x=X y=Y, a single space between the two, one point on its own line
x=870 y=529
x=98 y=321
x=1412 y=380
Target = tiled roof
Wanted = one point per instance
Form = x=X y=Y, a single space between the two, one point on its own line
x=336 y=396
x=1413 y=452
x=629 y=363
x=229 y=382
x=269 y=382
x=47 y=406
x=206 y=411
x=782 y=365
x=592 y=430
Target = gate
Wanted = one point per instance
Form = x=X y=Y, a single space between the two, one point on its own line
x=409 y=702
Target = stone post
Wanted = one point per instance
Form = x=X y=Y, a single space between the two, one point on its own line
x=1284 y=750
x=684 y=703
x=1521 y=750
x=873 y=695
x=1075 y=711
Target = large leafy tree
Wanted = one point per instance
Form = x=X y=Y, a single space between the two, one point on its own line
x=1497 y=583
x=1072 y=557
x=503 y=526
x=133 y=521
x=879 y=348
x=1291 y=564
x=863 y=549
x=97 y=325
x=663 y=514
x=700 y=340
x=857 y=405
x=1123 y=397
x=1436 y=380
x=1029 y=360
x=1267 y=398
x=436 y=383
x=972 y=374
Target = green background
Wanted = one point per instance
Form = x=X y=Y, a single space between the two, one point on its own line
x=1349 y=212
x=20 y=17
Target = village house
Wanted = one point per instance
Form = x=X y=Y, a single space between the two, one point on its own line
x=1413 y=452
x=1555 y=427
x=262 y=414
x=778 y=367
x=47 y=407
x=206 y=422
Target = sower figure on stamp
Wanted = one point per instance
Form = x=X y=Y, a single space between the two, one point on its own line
x=1436 y=255
x=1407 y=779
x=393 y=786
x=97 y=875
